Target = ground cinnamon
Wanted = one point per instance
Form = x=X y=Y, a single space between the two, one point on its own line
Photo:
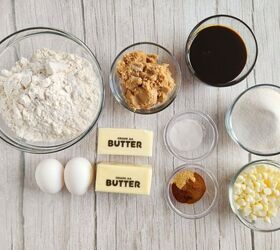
x=188 y=187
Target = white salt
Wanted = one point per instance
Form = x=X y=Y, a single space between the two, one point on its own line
x=186 y=135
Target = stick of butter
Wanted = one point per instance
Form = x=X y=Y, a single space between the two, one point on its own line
x=118 y=141
x=123 y=178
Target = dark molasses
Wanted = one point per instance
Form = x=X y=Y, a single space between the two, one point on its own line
x=217 y=55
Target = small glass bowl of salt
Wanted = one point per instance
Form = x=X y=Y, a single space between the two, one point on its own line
x=191 y=136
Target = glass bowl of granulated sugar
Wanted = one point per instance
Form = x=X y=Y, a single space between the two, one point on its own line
x=253 y=120
x=51 y=90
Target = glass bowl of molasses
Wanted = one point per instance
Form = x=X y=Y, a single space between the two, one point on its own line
x=221 y=50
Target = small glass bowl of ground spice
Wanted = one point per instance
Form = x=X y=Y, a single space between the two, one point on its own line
x=192 y=191
x=145 y=78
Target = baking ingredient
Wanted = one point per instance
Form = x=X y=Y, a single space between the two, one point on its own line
x=256 y=119
x=53 y=96
x=218 y=55
x=144 y=81
x=49 y=176
x=186 y=135
x=123 y=178
x=117 y=141
x=256 y=192
x=188 y=187
x=78 y=175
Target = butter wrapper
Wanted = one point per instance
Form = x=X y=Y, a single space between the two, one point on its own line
x=120 y=141
x=123 y=178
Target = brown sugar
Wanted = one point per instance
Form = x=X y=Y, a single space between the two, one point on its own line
x=145 y=82
x=188 y=187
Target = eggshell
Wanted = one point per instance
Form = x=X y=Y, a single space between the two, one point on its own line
x=49 y=176
x=78 y=175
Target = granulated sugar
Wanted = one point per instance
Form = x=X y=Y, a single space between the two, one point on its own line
x=53 y=96
x=256 y=120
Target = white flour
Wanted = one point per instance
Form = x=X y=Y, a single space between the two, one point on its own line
x=54 y=96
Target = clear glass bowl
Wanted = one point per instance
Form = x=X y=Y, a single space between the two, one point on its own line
x=202 y=207
x=258 y=225
x=208 y=142
x=238 y=26
x=24 y=43
x=164 y=56
x=230 y=123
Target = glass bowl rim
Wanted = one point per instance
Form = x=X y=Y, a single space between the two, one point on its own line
x=233 y=82
x=39 y=149
x=230 y=192
x=228 y=120
x=209 y=120
x=213 y=180
x=163 y=105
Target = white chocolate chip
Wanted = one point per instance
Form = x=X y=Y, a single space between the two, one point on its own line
x=257 y=194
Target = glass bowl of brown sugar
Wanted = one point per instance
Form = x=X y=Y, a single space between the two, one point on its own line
x=145 y=78
x=192 y=191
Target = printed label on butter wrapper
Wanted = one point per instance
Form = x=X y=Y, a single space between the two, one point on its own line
x=115 y=141
x=123 y=178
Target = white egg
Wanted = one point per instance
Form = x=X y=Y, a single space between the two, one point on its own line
x=78 y=175
x=49 y=176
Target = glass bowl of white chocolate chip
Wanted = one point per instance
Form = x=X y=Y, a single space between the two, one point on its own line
x=254 y=195
x=51 y=90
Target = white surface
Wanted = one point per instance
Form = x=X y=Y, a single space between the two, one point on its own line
x=30 y=219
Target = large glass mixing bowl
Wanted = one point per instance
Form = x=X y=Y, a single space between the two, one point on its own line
x=24 y=43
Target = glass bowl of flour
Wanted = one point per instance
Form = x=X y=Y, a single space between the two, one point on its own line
x=253 y=120
x=51 y=90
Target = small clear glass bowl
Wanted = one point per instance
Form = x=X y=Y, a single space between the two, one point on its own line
x=202 y=207
x=230 y=121
x=239 y=27
x=24 y=43
x=164 y=56
x=209 y=139
x=258 y=225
